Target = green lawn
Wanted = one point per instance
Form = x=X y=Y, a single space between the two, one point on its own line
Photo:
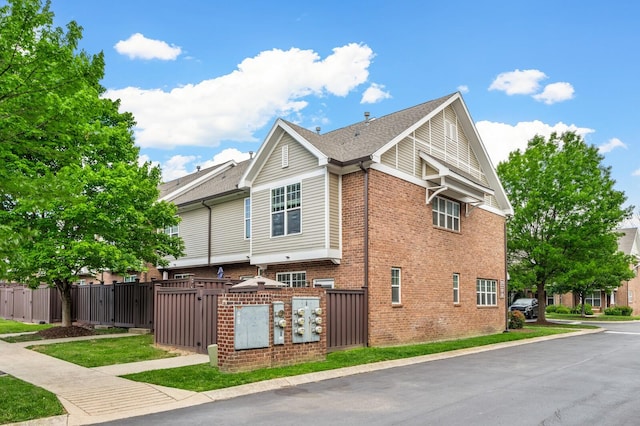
x=99 y=352
x=21 y=401
x=8 y=326
x=203 y=377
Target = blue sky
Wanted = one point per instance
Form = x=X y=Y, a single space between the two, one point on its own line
x=207 y=79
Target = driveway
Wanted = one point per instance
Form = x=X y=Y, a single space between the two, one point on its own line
x=590 y=379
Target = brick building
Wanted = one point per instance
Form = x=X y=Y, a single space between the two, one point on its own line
x=407 y=205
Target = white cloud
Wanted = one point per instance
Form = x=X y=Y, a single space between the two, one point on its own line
x=144 y=158
x=463 y=88
x=500 y=138
x=139 y=47
x=518 y=82
x=233 y=106
x=636 y=173
x=226 y=155
x=555 y=92
x=611 y=145
x=374 y=93
x=176 y=167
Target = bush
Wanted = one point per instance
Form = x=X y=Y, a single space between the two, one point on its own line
x=550 y=309
x=620 y=311
x=558 y=309
x=578 y=309
x=516 y=319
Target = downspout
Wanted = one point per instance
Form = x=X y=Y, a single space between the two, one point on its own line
x=506 y=280
x=366 y=247
x=208 y=236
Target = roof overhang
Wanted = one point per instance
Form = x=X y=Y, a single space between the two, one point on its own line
x=450 y=183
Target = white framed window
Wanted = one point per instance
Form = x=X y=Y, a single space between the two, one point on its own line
x=82 y=282
x=324 y=282
x=446 y=213
x=130 y=278
x=181 y=276
x=456 y=289
x=285 y=156
x=550 y=299
x=630 y=296
x=293 y=279
x=286 y=203
x=247 y=218
x=172 y=231
x=396 y=284
x=486 y=292
x=593 y=299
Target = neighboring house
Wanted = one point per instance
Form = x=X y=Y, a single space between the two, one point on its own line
x=627 y=294
x=407 y=205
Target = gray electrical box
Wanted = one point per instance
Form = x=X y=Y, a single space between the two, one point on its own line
x=251 y=326
x=279 y=323
x=306 y=319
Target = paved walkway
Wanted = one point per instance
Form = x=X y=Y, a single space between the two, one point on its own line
x=95 y=395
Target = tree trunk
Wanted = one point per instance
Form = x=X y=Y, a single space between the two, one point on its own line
x=542 y=304
x=65 y=295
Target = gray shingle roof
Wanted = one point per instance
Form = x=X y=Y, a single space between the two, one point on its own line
x=362 y=139
x=625 y=242
x=222 y=183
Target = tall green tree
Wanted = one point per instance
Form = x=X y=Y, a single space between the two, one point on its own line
x=565 y=210
x=72 y=194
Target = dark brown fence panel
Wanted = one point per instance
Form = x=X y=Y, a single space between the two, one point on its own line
x=175 y=317
x=209 y=320
x=22 y=304
x=6 y=303
x=133 y=305
x=102 y=304
x=43 y=305
x=81 y=304
x=346 y=319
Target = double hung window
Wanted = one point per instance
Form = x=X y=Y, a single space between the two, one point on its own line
x=446 y=213
x=286 y=210
x=486 y=292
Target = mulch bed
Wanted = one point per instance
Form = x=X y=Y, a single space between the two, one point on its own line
x=60 y=332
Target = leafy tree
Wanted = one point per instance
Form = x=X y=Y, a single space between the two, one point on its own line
x=72 y=194
x=565 y=210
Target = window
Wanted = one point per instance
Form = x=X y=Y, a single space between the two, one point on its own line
x=292 y=279
x=181 y=276
x=324 y=282
x=456 y=288
x=82 y=282
x=172 y=231
x=593 y=299
x=247 y=218
x=285 y=210
x=630 y=295
x=550 y=299
x=446 y=213
x=395 y=285
x=130 y=278
x=486 y=294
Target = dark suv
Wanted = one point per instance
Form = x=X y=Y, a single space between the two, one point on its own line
x=529 y=307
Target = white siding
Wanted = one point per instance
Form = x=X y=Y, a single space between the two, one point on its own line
x=299 y=161
x=193 y=231
x=227 y=228
x=334 y=211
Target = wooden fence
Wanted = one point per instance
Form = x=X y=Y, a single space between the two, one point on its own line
x=24 y=304
x=346 y=319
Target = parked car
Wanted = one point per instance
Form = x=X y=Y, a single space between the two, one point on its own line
x=528 y=306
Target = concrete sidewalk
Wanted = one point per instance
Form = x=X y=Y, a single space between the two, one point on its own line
x=95 y=395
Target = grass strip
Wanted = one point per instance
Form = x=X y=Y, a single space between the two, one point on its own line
x=203 y=377
x=10 y=326
x=100 y=352
x=21 y=338
x=596 y=318
x=21 y=401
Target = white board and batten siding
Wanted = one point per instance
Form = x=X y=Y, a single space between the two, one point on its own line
x=430 y=139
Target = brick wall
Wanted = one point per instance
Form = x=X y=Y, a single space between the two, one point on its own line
x=231 y=360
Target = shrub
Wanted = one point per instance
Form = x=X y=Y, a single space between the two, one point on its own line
x=551 y=309
x=621 y=311
x=578 y=309
x=516 y=319
x=560 y=309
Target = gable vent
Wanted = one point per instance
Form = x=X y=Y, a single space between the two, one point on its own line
x=285 y=156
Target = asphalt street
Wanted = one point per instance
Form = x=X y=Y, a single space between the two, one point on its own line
x=590 y=379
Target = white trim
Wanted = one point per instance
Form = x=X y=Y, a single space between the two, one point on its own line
x=298 y=256
x=289 y=180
